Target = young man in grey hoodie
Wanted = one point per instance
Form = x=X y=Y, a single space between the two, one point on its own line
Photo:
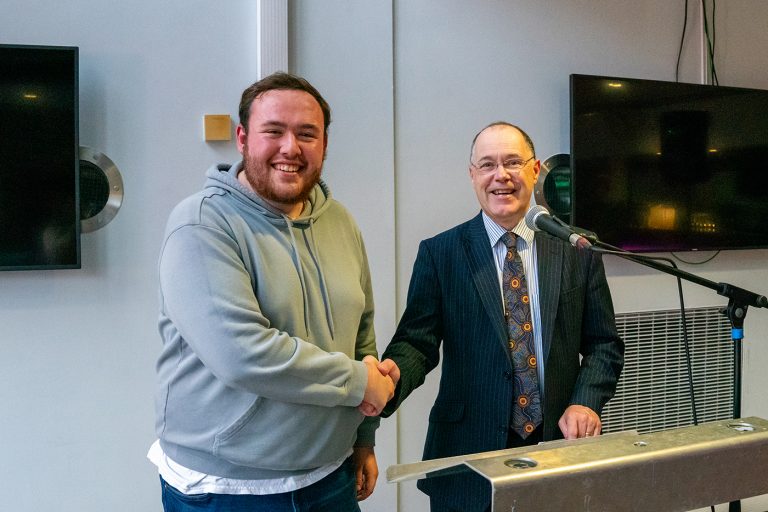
x=268 y=365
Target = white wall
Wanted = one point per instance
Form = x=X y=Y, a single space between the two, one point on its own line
x=410 y=82
x=79 y=346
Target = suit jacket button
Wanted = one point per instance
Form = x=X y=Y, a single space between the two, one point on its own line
x=508 y=375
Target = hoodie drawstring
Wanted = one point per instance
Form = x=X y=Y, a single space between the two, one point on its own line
x=315 y=254
x=299 y=270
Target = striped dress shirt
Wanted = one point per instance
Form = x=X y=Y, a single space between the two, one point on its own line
x=526 y=246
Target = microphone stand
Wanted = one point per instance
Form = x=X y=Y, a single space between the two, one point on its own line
x=739 y=301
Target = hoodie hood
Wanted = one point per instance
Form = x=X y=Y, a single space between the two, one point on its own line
x=225 y=176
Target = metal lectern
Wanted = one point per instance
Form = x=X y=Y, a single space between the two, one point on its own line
x=673 y=470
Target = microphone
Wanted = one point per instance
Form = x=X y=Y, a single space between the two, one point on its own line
x=539 y=219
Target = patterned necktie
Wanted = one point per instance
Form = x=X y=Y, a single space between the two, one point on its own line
x=526 y=409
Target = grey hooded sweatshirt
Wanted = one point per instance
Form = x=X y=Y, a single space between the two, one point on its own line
x=263 y=320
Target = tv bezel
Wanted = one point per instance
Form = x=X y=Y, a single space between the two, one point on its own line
x=73 y=51
x=659 y=247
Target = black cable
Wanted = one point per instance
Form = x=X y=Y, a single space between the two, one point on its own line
x=710 y=49
x=706 y=39
x=714 y=6
x=687 y=347
x=682 y=38
x=678 y=258
x=714 y=69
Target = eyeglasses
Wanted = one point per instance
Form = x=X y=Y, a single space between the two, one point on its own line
x=512 y=165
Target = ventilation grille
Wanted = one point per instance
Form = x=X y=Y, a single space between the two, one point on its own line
x=653 y=391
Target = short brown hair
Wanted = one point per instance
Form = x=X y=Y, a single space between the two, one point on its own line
x=284 y=81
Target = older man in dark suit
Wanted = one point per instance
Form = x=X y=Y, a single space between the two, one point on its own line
x=530 y=353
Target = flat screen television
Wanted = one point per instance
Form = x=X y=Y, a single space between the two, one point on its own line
x=666 y=166
x=39 y=162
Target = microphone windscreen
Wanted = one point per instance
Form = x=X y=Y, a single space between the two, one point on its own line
x=530 y=216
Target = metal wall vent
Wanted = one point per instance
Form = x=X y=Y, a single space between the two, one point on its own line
x=653 y=392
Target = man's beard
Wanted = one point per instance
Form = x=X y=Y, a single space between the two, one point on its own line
x=259 y=175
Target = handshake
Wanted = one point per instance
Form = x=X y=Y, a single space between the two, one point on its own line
x=382 y=379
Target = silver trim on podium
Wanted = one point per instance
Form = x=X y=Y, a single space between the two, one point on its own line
x=673 y=470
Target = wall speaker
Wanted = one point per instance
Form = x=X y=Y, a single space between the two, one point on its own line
x=553 y=190
x=101 y=190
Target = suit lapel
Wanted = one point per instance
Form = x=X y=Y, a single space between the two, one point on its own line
x=549 y=258
x=484 y=274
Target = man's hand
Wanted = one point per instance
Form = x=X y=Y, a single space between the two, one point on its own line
x=379 y=390
x=579 y=421
x=367 y=470
x=389 y=367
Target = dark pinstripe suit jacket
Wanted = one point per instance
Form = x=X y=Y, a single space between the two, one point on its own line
x=454 y=298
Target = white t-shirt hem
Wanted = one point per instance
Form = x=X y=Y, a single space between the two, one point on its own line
x=189 y=481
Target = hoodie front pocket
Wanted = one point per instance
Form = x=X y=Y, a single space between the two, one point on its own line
x=283 y=436
x=234 y=428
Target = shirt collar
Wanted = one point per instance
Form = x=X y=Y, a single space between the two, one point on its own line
x=495 y=232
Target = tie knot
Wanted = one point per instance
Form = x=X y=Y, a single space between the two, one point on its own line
x=509 y=239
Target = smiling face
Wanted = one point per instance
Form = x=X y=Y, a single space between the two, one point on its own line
x=283 y=148
x=504 y=196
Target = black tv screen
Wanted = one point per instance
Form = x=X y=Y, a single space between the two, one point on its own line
x=39 y=162
x=667 y=166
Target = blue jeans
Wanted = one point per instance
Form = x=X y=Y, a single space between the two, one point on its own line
x=336 y=492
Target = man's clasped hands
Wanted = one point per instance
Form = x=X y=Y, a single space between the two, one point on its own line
x=382 y=379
